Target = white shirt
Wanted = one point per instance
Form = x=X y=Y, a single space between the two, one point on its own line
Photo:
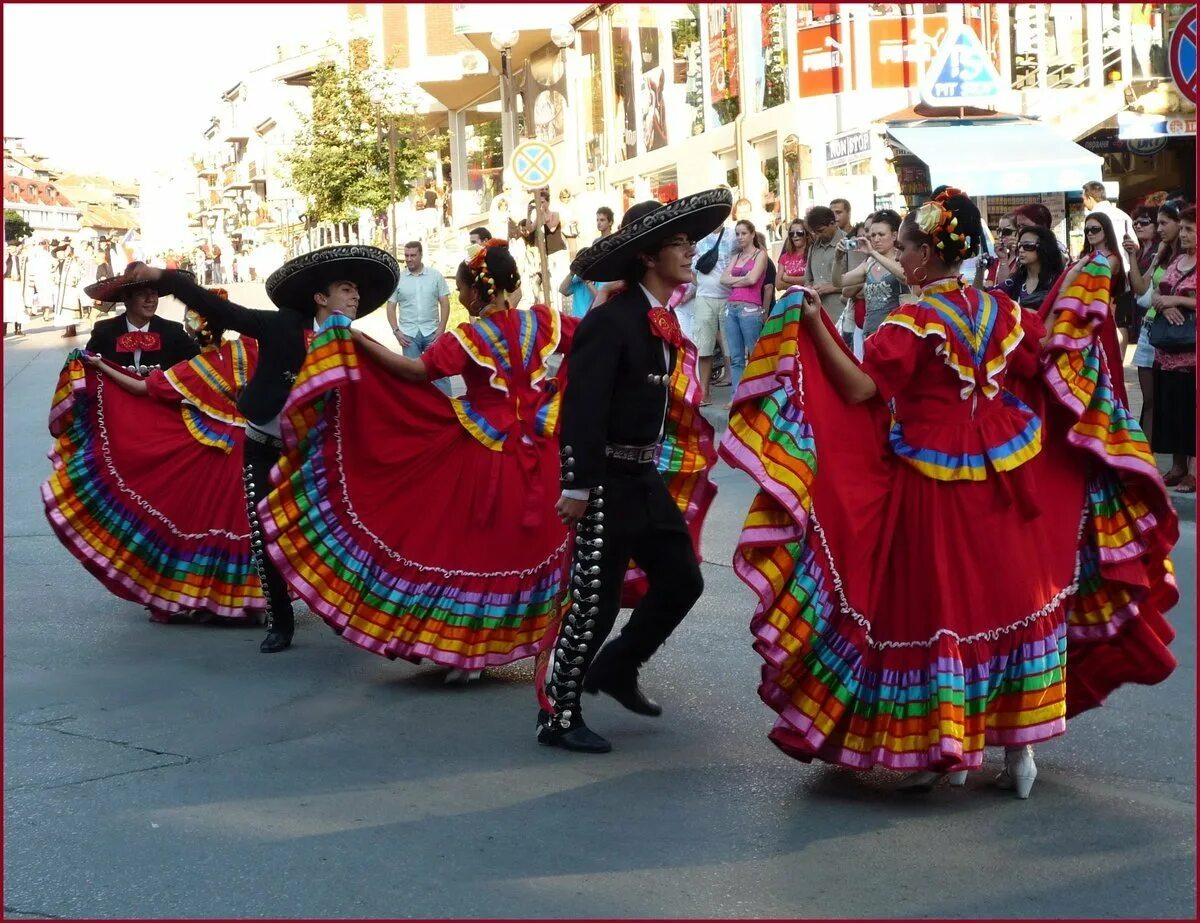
x=418 y=297
x=137 y=353
x=654 y=303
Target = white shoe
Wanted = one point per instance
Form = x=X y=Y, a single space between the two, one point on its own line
x=925 y=780
x=1019 y=771
x=457 y=677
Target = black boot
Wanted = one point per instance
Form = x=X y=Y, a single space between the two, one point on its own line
x=276 y=641
x=577 y=736
x=615 y=671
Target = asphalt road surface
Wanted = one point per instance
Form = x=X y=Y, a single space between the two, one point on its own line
x=173 y=771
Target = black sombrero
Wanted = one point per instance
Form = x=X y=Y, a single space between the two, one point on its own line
x=374 y=271
x=116 y=288
x=697 y=215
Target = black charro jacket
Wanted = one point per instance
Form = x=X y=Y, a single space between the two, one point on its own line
x=281 y=343
x=610 y=395
x=177 y=346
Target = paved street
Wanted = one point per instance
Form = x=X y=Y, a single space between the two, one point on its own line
x=173 y=771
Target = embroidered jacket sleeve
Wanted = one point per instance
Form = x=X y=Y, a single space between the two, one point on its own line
x=229 y=315
x=596 y=350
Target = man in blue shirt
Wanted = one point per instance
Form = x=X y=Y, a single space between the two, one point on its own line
x=581 y=292
x=423 y=298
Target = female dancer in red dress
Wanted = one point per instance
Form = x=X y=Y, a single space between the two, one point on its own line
x=147 y=482
x=937 y=524
x=420 y=526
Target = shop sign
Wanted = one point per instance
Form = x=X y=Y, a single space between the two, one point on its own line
x=902 y=48
x=1105 y=141
x=961 y=73
x=819 y=50
x=1151 y=125
x=1146 y=147
x=846 y=148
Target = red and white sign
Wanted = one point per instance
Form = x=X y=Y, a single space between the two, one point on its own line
x=1183 y=55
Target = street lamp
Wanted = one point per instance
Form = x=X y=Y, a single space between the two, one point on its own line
x=563 y=36
x=503 y=41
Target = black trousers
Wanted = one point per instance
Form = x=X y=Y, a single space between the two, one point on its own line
x=643 y=523
x=257 y=460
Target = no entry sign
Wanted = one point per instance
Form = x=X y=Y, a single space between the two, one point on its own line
x=1183 y=55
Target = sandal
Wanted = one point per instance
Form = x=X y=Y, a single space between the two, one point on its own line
x=1187 y=485
x=1171 y=478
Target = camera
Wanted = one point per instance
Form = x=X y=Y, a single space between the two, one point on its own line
x=987 y=261
x=852 y=243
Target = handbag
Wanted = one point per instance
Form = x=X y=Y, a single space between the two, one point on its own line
x=1174 y=338
x=708 y=262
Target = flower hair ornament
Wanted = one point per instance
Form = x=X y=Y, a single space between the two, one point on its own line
x=477 y=264
x=934 y=219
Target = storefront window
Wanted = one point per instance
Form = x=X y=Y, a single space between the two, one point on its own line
x=724 y=92
x=670 y=100
x=1066 y=26
x=591 y=89
x=545 y=93
x=689 y=71
x=625 y=126
x=485 y=155
x=664 y=185
x=652 y=86
x=821 y=50
x=767 y=30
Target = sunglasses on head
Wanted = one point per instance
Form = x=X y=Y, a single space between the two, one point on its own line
x=1028 y=247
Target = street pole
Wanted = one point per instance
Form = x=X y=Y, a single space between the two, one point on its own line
x=392 y=183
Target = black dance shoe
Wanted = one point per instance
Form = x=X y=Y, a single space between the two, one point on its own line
x=577 y=737
x=276 y=641
x=609 y=674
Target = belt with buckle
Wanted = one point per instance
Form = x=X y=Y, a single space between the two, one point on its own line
x=257 y=435
x=637 y=454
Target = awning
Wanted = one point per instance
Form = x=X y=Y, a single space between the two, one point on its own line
x=999 y=158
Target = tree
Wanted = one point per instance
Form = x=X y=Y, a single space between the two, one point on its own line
x=16 y=228
x=339 y=161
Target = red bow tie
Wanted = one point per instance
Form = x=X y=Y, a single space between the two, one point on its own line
x=665 y=325
x=137 y=339
x=309 y=336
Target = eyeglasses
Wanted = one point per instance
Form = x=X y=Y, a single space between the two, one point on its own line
x=1093 y=229
x=683 y=243
x=1028 y=247
x=1143 y=222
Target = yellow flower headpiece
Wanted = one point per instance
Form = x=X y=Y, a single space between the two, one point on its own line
x=934 y=219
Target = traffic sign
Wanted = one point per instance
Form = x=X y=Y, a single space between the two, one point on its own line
x=533 y=164
x=961 y=73
x=1183 y=54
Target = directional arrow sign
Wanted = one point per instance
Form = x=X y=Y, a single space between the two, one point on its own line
x=533 y=164
x=961 y=73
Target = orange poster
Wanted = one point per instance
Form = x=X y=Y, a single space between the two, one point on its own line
x=902 y=47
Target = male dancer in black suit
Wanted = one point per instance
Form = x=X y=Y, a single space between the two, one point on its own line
x=614 y=413
x=350 y=280
x=138 y=339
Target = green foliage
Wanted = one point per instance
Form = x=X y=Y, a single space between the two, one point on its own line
x=16 y=228
x=339 y=161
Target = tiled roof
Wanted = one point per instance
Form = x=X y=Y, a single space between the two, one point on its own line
x=103 y=216
x=33 y=192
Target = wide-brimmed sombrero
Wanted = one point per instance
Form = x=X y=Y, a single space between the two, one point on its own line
x=374 y=271
x=697 y=215
x=116 y=288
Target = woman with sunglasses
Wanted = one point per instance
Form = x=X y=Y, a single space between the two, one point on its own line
x=1175 y=372
x=1144 y=281
x=1039 y=266
x=1006 y=250
x=793 y=256
x=1102 y=272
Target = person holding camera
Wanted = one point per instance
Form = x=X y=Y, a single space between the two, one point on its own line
x=880 y=275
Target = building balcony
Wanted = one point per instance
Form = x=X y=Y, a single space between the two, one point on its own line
x=236 y=177
x=257 y=172
x=205 y=166
x=235 y=134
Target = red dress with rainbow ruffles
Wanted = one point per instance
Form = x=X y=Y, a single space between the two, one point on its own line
x=422 y=526
x=147 y=490
x=924 y=561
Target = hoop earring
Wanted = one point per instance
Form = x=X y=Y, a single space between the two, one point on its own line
x=924 y=276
